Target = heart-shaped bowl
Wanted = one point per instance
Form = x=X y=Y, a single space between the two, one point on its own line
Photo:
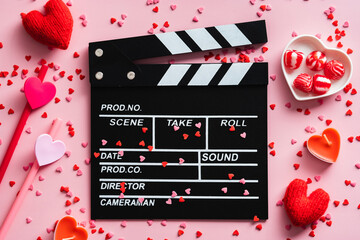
x=307 y=44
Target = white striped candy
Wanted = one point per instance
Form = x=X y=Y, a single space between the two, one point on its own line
x=321 y=84
x=303 y=82
x=334 y=70
x=316 y=61
x=293 y=59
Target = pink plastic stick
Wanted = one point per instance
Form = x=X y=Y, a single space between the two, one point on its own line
x=19 y=129
x=28 y=181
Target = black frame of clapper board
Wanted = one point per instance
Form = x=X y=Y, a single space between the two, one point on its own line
x=147 y=110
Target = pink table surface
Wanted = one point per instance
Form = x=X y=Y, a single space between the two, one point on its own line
x=286 y=16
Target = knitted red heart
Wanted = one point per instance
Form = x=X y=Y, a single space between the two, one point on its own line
x=301 y=209
x=52 y=29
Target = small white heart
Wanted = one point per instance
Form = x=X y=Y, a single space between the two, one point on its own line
x=48 y=151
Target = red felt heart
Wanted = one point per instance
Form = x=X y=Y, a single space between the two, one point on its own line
x=302 y=209
x=52 y=29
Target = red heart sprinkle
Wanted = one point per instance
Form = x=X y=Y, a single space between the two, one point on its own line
x=349 y=51
x=232 y=129
x=118 y=143
x=296 y=166
x=217 y=57
x=337 y=37
x=185 y=136
x=62 y=73
x=273 y=153
x=339 y=45
x=329 y=223
x=51 y=65
x=44 y=115
x=156 y=9
x=197 y=134
x=28 y=58
x=307 y=112
x=142 y=143
x=337 y=31
x=336 y=203
x=76 y=199
x=93 y=231
x=96 y=154
x=78 y=71
x=357 y=138
x=166 y=24
x=236 y=233
x=144 y=129
x=346 y=202
x=181 y=199
x=348 y=113
x=272 y=106
x=112 y=20
x=155 y=25
x=343 y=34
x=2 y=106
x=347 y=88
x=9 y=82
x=312 y=234
x=259 y=227
x=264 y=49
x=271 y=145
x=224 y=60
x=198 y=234
x=263 y=7
x=71 y=91
x=180 y=232
x=313 y=226
x=82 y=77
x=299 y=154
x=351 y=139
x=322 y=218
x=164 y=164
x=335 y=23
x=67 y=203
x=308 y=181
x=150 y=148
x=230 y=175
x=101 y=230
x=70 y=77
x=330 y=39
x=76 y=55
x=330 y=16
x=353 y=91
x=299 y=109
x=256 y=219
x=328 y=122
x=12 y=183
x=76 y=167
x=11 y=111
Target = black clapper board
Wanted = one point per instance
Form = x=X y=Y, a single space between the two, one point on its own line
x=161 y=133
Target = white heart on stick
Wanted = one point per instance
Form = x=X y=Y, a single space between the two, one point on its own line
x=48 y=151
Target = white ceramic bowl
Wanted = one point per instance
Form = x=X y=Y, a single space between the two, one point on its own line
x=307 y=44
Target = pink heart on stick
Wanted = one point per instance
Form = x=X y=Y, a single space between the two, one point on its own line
x=48 y=151
x=37 y=93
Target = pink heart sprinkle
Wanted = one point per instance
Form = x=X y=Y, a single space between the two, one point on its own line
x=123 y=16
x=92 y=224
x=56 y=77
x=31 y=187
x=176 y=128
x=338 y=98
x=83 y=224
x=259 y=14
x=121 y=196
x=26 y=168
x=84 y=144
x=332 y=9
x=243 y=135
x=84 y=23
x=69 y=123
x=288 y=227
x=273 y=77
x=142 y=158
x=294 y=34
x=353 y=184
x=318 y=36
x=149 y=222
x=187 y=191
x=41 y=178
x=268 y=7
x=288 y=105
x=151 y=31
x=68 y=98
x=149 y=2
x=163 y=222
x=56 y=67
x=256 y=59
x=173 y=194
x=200 y=10
x=308 y=129
x=87 y=161
x=103 y=142
x=248 y=51
x=28 y=220
x=156 y=1
x=68 y=212
x=82 y=17
x=181 y=160
x=120 y=23
x=312 y=130
x=195 y=19
x=141 y=200
x=23 y=76
x=183 y=225
x=121 y=153
x=317 y=178
x=79 y=172
x=38 y=193
x=69 y=194
x=49 y=230
x=252 y=2
x=28 y=130
x=233 y=59
x=173 y=7
x=69 y=3
x=123 y=223
x=321 y=117
x=169 y=202
x=242 y=181
x=261 y=58
x=328 y=216
x=163 y=29
x=224 y=189
x=279 y=203
x=346 y=24
x=327 y=12
x=198 y=125
x=246 y=192
x=357 y=165
x=83 y=210
x=293 y=141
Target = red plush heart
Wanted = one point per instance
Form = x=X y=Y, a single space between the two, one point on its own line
x=52 y=29
x=301 y=209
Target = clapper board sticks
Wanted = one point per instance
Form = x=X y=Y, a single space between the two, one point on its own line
x=178 y=141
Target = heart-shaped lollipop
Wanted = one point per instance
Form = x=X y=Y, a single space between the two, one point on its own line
x=48 y=151
x=37 y=93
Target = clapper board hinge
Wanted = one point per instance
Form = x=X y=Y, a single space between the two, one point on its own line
x=115 y=58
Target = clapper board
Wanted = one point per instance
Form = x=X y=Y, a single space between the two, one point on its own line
x=178 y=141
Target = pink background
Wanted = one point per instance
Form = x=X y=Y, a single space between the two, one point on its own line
x=286 y=16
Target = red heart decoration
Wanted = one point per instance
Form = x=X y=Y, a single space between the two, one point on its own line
x=67 y=229
x=52 y=29
x=37 y=93
x=300 y=208
x=325 y=147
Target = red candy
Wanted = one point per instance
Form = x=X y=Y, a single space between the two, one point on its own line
x=321 y=84
x=304 y=82
x=316 y=61
x=293 y=59
x=334 y=70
